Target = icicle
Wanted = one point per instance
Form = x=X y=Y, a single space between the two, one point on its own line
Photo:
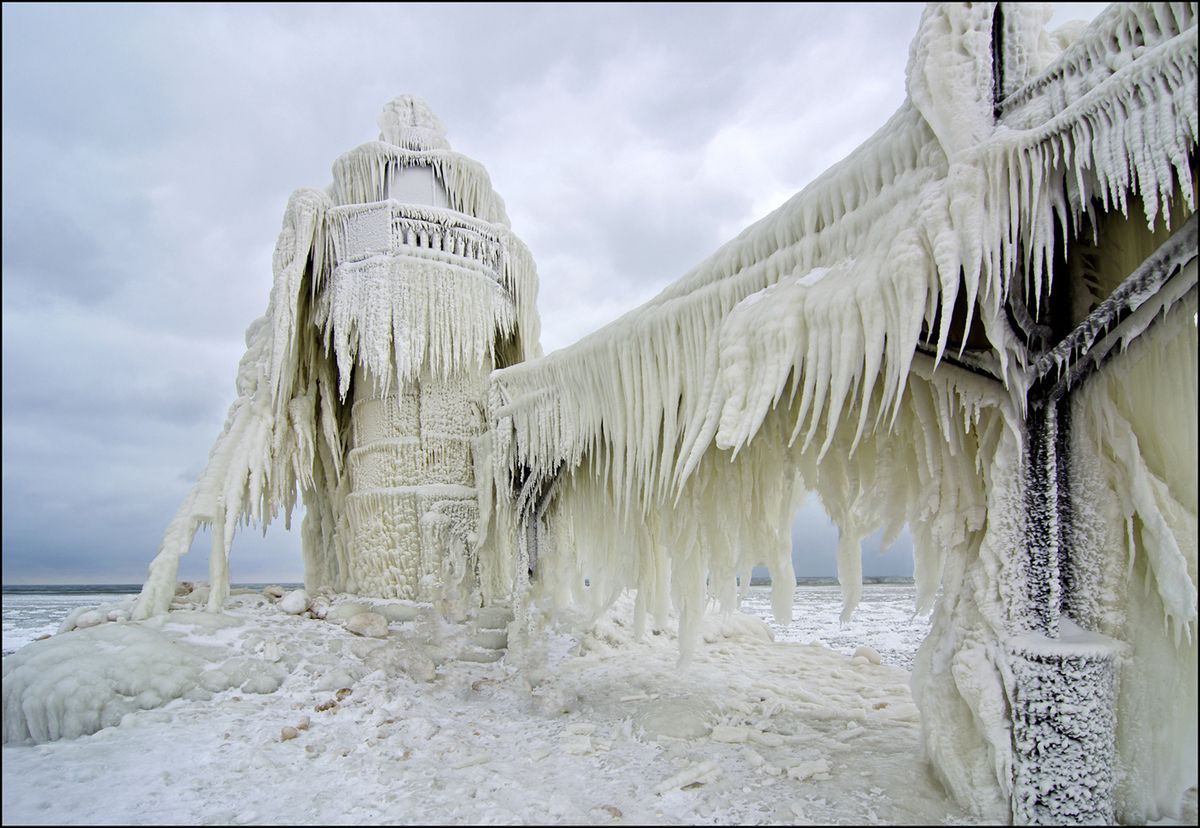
x=931 y=212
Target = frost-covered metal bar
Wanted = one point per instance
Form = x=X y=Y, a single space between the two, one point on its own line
x=1062 y=696
x=1043 y=511
x=981 y=364
x=1156 y=285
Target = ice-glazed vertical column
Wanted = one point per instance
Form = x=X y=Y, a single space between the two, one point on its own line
x=421 y=296
x=412 y=503
x=384 y=466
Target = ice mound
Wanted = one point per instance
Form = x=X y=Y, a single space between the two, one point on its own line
x=76 y=683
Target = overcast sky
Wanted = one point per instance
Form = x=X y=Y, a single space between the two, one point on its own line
x=148 y=153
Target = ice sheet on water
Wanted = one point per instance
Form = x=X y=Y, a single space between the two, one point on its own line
x=885 y=620
x=32 y=612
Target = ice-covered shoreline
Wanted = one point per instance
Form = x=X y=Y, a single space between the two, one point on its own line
x=575 y=727
x=36 y=610
x=582 y=725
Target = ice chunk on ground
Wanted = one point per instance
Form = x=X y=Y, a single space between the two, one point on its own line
x=868 y=653
x=295 y=602
x=342 y=613
x=812 y=765
x=698 y=774
x=78 y=682
x=370 y=624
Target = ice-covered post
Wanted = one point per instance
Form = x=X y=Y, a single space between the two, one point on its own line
x=1042 y=507
x=532 y=497
x=1063 y=679
x=1063 y=689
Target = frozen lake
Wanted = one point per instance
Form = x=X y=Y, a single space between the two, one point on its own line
x=884 y=618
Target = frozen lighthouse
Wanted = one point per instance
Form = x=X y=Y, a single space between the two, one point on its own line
x=397 y=290
x=408 y=260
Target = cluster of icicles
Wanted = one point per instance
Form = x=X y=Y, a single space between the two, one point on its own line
x=815 y=322
x=667 y=452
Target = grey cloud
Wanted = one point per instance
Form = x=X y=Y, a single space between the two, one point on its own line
x=69 y=227
x=61 y=81
x=83 y=371
x=72 y=266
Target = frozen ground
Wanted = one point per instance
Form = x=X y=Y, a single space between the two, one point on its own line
x=575 y=728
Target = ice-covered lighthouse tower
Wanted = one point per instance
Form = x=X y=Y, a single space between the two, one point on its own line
x=397 y=290
x=413 y=263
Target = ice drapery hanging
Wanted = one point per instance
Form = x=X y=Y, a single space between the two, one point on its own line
x=810 y=353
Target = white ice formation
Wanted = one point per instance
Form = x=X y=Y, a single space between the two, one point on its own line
x=870 y=341
x=882 y=339
x=397 y=290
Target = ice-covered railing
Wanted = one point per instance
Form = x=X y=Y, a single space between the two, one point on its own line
x=1126 y=313
x=1121 y=34
x=359 y=231
x=1117 y=110
x=419 y=289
